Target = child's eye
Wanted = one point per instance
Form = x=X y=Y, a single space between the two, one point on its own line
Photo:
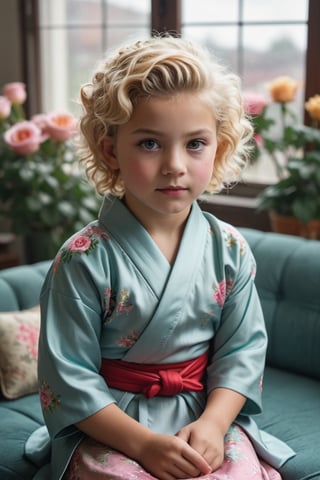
x=149 y=144
x=196 y=144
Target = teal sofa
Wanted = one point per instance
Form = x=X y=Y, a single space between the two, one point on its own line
x=288 y=281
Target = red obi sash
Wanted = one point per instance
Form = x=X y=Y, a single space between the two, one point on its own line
x=162 y=379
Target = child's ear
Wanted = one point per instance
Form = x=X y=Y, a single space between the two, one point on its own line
x=108 y=151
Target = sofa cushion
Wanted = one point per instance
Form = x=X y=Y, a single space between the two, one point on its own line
x=289 y=298
x=291 y=406
x=19 y=418
x=19 y=335
x=20 y=286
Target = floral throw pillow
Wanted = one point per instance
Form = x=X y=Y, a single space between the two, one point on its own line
x=19 y=334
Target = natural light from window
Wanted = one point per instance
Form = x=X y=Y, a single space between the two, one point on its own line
x=259 y=39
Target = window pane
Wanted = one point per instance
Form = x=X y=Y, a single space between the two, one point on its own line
x=128 y=12
x=275 y=10
x=222 y=41
x=117 y=36
x=209 y=11
x=54 y=61
x=74 y=35
x=67 y=58
x=84 y=12
x=279 y=51
x=267 y=39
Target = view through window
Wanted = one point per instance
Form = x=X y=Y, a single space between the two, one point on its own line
x=74 y=34
x=259 y=39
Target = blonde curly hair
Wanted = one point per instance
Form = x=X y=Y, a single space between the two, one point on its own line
x=160 y=66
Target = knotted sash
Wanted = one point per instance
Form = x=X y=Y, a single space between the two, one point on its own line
x=151 y=380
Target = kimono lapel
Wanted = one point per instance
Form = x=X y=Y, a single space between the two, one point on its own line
x=180 y=280
x=136 y=243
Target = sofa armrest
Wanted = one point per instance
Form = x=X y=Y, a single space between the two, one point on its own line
x=20 y=286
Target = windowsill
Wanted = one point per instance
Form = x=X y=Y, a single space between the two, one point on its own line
x=237 y=210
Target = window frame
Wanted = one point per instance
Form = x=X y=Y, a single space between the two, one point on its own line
x=165 y=16
x=237 y=205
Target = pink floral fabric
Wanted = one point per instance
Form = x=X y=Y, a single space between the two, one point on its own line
x=222 y=291
x=19 y=333
x=49 y=400
x=94 y=461
x=82 y=243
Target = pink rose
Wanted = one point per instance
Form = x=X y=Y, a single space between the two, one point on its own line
x=80 y=244
x=45 y=399
x=15 y=92
x=24 y=137
x=254 y=103
x=5 y=107
x=61 y=126
x=40 y=119
x=259 y=140
x=220 y=293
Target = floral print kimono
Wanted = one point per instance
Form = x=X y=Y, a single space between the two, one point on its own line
x=111 y=294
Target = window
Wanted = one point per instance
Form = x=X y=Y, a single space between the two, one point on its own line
x=259 y=39
x=73 y=36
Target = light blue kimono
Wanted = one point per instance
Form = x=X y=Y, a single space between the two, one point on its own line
x=111 y=293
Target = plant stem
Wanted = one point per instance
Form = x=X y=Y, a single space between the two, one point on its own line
x=278 y=167
x=281 y=169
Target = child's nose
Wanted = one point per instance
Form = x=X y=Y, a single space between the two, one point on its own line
x=173 y=163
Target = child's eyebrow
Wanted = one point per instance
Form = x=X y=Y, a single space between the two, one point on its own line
x=146 y=131
x=150 y=131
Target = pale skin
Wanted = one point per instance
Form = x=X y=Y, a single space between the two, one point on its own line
x=165 y=154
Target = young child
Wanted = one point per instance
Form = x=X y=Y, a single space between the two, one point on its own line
x=152 y=343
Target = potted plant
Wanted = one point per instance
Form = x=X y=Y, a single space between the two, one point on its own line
x=294 y=200
x=43 y=195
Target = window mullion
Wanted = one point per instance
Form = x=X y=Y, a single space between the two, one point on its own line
x=312 y=78
x=166 y=16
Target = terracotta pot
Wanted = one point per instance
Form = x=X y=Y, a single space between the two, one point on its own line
x=292 y=226
x=314 y=229
x=287 y=224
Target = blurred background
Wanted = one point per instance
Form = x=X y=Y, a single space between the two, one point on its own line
x=53 y=47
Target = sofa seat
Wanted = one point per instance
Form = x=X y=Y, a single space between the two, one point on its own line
x=19 y=418
x=291 y=412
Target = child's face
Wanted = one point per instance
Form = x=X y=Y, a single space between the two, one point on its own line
x=166 y=153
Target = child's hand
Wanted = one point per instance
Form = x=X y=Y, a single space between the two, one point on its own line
x=169 y=457
x=207 y=439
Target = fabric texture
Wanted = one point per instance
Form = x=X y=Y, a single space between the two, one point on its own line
x=19 y=334
x=151 y=380
x=93 y=460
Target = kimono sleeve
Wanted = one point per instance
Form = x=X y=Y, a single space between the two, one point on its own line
x=71 y=388
x=238 y=354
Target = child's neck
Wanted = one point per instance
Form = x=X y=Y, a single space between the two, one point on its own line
x=168 y=237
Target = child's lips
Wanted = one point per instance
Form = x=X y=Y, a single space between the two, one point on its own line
x=172 y=189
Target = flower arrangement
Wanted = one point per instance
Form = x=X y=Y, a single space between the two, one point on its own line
x=41 y=188
x=294 y=149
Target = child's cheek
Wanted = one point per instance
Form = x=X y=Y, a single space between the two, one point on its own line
x=204 y=171
x=141 y=172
